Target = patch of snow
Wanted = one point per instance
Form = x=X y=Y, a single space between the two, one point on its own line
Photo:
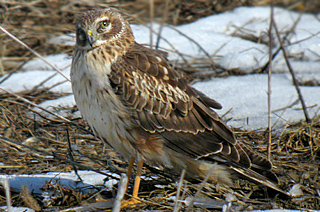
x=36 y=182
x=17 y=209
x=60 y=106
x=68 y=40
x=61 y=61
x=25 y=80
x=38 y=78
x=227 y=38
x=246 y=98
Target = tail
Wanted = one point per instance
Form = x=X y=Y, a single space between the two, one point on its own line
x=197 y=169
x=258 y=178
x=221 y=173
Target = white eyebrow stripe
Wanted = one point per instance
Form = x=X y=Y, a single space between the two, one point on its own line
x=102 y=19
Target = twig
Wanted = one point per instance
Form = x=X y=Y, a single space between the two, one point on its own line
x=35 y=105
x=304 y=39
x=4 y=78
x=309 y=130
x=269 y=78
x=151 y=21
x=121 y=191
x=44 y=81
x=173 y=49
x=163 y=20
x=195 y=42
x=6 y=186
x=107 y=166
x=285 y=37
x=34 y=52
x=50 y=77
x=71 y=156
x=176 y=202
x=295 y=82
x=55 y=85
x=279 y=118
x=165 y=40
x=12 y=142
x=288 y=106
x=200 y=188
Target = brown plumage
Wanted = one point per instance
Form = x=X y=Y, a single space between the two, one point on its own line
x=138 y=104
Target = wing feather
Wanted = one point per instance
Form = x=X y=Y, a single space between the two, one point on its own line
x=156 y=106
x=144 y=122
x=226 y=149
x=143 y=101
x=197 y=126
x=162 y=102
x=126 y=91
x=152 y=87
x=149 y=106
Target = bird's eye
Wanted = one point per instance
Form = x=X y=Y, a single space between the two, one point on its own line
x=103 y=25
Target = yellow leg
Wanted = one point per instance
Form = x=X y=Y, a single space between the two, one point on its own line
x=129 y=170
x=137 y=180
x=133 y=201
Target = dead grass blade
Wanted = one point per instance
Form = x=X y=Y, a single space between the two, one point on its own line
x=269 y=78
x=11 y=142
x=176 y=202
x=121 y=192
x=34 y=52
x=5 y=183
x=294 y=79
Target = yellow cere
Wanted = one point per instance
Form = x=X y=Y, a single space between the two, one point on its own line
x=89 y=32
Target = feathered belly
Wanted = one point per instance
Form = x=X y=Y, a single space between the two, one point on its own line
x=102 y=109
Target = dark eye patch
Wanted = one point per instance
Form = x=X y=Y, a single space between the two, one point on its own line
x=81 y=37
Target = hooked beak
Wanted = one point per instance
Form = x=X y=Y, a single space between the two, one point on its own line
x=91 y=37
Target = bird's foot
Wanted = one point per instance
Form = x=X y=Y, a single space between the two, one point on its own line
x=130 y=202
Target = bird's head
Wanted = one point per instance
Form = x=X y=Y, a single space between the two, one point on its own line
x=102 y=27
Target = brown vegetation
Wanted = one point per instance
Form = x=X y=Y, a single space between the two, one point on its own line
x=295 y=151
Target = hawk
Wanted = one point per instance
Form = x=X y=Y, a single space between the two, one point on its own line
x=142 y=107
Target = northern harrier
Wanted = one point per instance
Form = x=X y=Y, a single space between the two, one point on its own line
x=137 y=103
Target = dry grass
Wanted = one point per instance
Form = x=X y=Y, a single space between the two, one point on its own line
x=34 y=22
x=295 y=153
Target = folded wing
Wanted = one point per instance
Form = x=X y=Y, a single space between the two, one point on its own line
x=162 y=102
